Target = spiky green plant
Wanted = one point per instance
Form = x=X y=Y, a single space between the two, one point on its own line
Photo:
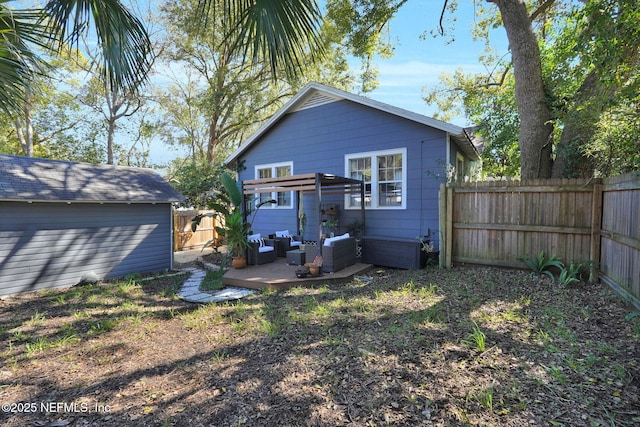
x=485 y=397
x=540 y=264
x=476 y=339
x=570 y=275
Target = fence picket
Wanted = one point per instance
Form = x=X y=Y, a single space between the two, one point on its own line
x=184 y=238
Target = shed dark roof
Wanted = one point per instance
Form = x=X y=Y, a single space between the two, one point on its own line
x=32 y=179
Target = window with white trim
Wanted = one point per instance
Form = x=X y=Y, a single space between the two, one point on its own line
x=275 y=170
x=384 y=174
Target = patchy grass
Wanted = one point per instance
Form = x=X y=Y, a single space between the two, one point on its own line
x=431 y=347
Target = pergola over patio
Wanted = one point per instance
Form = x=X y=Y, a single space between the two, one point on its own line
x=312 y=184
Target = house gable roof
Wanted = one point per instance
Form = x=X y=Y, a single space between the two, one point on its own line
x=33 y=179
x=315 y=94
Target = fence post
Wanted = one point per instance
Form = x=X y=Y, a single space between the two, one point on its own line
x=176 y=231
x=596 y=226
x=442 y=224
x=449 y=260
x=446 y=225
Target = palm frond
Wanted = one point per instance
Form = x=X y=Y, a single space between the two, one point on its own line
x=282 y=32
x=123 y=40
x=19 y=64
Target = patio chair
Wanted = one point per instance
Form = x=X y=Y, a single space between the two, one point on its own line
x=285 y=242
x=337 y=253
x=260 y=250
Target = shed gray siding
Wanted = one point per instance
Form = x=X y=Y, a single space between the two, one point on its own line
x=47 y=245
x=317 y=140
x=60 y=220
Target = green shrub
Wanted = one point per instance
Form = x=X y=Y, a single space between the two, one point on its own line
x=541 y=264
x=570 y=275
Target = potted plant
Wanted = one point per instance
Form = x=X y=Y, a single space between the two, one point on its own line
x=332 y=225
x=429 y=248
x=235 y=234
x=314 y=269
x=234 y=231
x=355 y=229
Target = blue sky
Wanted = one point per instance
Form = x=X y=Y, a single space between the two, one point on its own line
x=418 y=63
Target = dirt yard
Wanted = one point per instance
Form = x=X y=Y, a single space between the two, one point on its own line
x=434 y=347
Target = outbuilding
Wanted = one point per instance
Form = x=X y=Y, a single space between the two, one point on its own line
x=65 y=222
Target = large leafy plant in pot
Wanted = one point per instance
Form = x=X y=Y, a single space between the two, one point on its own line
x=236 y=233
x=233 y=231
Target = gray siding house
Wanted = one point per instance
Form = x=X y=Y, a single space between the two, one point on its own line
x=401 y=156
x=61 y=220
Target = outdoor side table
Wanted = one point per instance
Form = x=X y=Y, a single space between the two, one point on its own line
x=296 y=257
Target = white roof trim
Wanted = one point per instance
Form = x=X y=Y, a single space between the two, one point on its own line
x=314 y=94
x=314 y=99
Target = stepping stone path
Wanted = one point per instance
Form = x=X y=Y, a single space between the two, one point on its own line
x=191 y=292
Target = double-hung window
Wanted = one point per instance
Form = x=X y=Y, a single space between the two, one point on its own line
x=275 y=170
x=384 y=174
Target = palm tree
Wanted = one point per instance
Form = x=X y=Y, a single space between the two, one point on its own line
x=282 y=31
x=18 y=63
x=123 y=40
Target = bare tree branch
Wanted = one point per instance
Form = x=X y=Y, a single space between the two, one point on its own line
x=541 y=9
x=444 y=9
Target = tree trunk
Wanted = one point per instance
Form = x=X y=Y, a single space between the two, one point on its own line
x=110 y=138
x=599 y=91
x=579 y=127
x=26 y=141
x=213 y=142
x=536 y=126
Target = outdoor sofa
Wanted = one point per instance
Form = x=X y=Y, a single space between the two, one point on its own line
x=337 y=253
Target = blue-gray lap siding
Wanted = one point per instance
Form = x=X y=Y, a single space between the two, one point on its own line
x=317 y=140
x=51 y=245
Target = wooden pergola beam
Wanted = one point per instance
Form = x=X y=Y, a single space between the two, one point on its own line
x=311 y=184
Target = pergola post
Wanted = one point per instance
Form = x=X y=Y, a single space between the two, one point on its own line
x=319 y=201
x=362 y=216
x=298 y=201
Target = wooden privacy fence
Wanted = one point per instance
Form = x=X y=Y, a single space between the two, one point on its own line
x=184 y=238
x=596 y=221
x=620 y=235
